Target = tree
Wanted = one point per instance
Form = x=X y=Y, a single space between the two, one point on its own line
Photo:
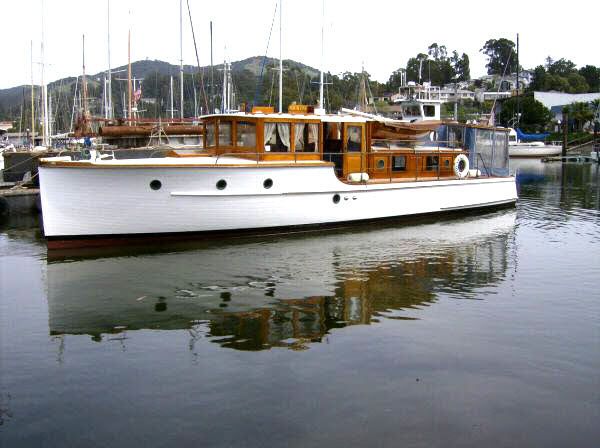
x=414 y=67
x=461 y=66
x=592 y=77
x=539 y=79
x=500 y=52
x=534 y=115
x=581 y=113
x=577 y=83
x=395 y=80
x=562 y=67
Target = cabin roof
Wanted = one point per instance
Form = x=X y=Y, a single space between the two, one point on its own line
x=327 y=118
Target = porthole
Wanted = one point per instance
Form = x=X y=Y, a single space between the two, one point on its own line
x=155 y=184
x=336 y=198
x=380 y=164
x=268 y=183
x=221 y=184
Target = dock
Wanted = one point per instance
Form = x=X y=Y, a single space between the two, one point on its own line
x=18 y=200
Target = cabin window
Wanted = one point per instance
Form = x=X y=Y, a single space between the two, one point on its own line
x=399 y=163
x=225 y=133
x=429 y=110
x=277 y=137
x=432 y=163
x=246 y=134
x=413 y=110
x=210 y=134
x=380 y=164
x=353 y=138
x=306 y=137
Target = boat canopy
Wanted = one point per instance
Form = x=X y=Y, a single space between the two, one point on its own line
x=527 y=137
x=487 y=147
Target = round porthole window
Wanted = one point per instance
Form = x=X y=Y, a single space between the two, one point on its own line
x=268 y=183
x=380 y=164
x=336 y=198
x=155 y=184
x=221 y=184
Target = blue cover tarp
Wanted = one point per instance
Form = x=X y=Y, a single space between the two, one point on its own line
x=522 y=136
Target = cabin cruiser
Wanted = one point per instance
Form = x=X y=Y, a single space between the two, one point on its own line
x=266 y=171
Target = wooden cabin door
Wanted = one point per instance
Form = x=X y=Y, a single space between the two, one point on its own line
x=354 y=149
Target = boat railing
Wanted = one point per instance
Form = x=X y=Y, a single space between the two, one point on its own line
x=478 y=158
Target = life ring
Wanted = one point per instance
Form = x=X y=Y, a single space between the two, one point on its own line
x=461 y=166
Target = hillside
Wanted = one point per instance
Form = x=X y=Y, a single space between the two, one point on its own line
x=15 y=101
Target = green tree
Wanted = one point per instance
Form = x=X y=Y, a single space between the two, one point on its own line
x=534 y=115
x=500 y=52
x=592 y=77
x=562 y=67
x=581 y=113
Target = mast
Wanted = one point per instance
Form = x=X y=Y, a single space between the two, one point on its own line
x=32 y=102
x=129 y=74
x=171 y=90
x=84 y=81
x=518 y=117
x=212 y=77
x=44 y=89
x=321 y=105
x=280 y=63
x=109 y=95
x=225 y=105
x=181 y=58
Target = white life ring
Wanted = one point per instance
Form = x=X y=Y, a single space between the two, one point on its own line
x=461 y=166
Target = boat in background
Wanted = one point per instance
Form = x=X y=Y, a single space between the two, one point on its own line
x=519 y=148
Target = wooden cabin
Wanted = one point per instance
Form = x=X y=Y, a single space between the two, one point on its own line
x=385 y=151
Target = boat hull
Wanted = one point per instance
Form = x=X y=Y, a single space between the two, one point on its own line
x=80 y=203
x=534 y=151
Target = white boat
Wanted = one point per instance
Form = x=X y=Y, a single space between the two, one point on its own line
x=266 y=171
x=517 y=148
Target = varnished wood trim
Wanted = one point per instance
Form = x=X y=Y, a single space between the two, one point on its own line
x=212 y=165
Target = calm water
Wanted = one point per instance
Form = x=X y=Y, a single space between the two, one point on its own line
x=482 y=330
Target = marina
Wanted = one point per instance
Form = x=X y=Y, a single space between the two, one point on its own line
x=268 y=224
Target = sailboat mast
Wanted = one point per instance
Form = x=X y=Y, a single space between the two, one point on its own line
x=109 y=95
x=212 y=75
x=321 y=105
x=181 y=59
x=518 y=116
x=44 y=89
x=224 y=102
x=32 y=102
x=84 y=80
x=129 y=73
x=171 y=90
x=280 y=63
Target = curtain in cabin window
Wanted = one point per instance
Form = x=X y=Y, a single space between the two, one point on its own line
x=313 y=137
x=283 y=129
x=269 y=129
x=299 y=137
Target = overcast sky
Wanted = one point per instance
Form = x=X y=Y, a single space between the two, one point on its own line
x=382 y=34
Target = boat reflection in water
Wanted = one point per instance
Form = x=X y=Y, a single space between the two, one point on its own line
x=287 y=291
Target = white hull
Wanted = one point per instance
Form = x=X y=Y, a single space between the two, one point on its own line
x=79 y=202
x=532 y=150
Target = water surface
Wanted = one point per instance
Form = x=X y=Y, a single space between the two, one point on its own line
x=474 y=330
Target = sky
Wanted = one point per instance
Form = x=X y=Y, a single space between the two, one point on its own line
x=380 y=34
